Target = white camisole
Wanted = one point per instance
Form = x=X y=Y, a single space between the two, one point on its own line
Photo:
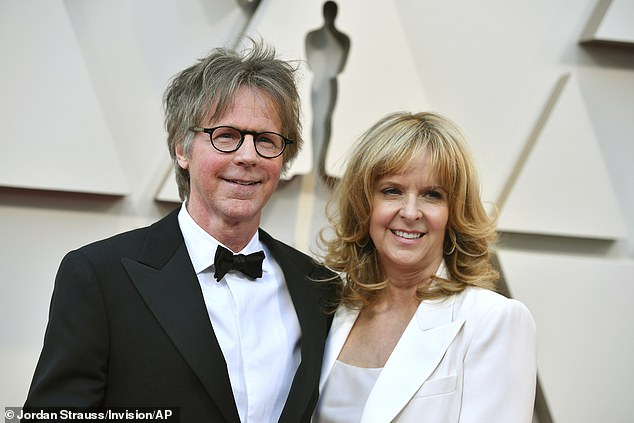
x=345 y=393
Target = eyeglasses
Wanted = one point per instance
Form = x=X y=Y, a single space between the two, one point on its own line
x=228 y=139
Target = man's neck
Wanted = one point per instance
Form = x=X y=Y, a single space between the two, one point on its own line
x=235 y=235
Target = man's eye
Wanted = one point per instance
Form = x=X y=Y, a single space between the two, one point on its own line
x=263 y=139
x=227 y=136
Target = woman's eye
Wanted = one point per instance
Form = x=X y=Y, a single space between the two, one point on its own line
x=390 y=191
x=436 y=195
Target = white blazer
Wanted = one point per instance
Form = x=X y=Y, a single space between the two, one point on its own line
x=469 y=358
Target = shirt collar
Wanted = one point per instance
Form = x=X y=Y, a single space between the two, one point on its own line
x=201 y=246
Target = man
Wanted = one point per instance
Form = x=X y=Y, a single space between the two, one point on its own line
x=157 y=316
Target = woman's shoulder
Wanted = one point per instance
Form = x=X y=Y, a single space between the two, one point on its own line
x=480 y=301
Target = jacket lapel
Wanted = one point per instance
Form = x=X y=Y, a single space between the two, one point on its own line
x=418 y=352
x=166 y=280
x=341 y=326
x=311 y=322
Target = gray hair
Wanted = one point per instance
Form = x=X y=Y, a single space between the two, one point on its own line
x=205 y=90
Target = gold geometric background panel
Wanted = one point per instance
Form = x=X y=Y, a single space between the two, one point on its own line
x=564 y=188
x=52 y=130
x=583 y=310
x=611 y=23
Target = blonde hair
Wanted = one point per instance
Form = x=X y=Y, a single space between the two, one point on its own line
x=387 y=148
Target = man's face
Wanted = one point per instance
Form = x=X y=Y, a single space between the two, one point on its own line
x=231 y=189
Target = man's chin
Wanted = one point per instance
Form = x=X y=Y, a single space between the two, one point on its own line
x=239 y=211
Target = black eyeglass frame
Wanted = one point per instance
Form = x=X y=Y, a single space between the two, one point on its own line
x=243 y=132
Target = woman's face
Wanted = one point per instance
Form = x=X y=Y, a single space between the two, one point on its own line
x=408 y=220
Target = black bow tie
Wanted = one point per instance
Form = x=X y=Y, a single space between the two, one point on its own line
x=250 y=264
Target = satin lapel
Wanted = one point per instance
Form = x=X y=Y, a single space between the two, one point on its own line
x=171 y=291
x=312 y=324
x=418 y=352
x=341 y=326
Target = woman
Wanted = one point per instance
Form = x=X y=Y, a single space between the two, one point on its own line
x=420 y=335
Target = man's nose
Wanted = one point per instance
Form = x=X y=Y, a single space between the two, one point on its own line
x=247 y=151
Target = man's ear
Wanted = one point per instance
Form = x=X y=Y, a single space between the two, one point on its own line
x=181 y=158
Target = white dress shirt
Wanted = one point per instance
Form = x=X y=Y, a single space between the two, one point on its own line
x=255 y=324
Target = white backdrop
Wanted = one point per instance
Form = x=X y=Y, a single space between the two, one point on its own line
x=85 y=157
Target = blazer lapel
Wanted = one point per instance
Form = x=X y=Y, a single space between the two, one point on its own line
x=166 y=280
x=418 y=352
x=341 y=326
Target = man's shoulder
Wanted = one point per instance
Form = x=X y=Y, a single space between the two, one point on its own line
x=288 y=253
x=131 y=240
x=128 y=237
x=280 y=247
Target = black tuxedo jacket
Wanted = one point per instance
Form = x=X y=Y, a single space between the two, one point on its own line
x=128 y=327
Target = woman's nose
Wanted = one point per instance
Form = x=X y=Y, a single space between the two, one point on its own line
x=411 y=208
